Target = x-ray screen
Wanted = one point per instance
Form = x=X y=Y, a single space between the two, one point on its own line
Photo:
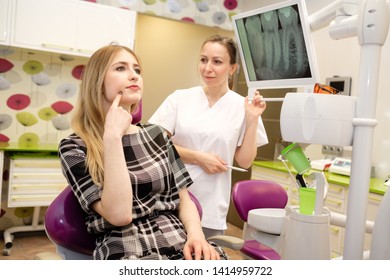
x=275 y=47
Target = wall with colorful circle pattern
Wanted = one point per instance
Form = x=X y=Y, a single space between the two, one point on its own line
x=37 y=93
x=215 y=13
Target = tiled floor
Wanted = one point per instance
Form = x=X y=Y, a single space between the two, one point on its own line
x=29 y=246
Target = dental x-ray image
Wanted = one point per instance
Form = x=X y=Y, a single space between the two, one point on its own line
x=277 y=45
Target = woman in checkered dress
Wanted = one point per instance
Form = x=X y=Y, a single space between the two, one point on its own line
x=128 y=178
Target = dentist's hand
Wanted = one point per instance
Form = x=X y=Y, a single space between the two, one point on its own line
x=210 y=163
x=256 y=107
x=118 y=120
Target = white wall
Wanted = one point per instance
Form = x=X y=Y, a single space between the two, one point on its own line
x=341 y=57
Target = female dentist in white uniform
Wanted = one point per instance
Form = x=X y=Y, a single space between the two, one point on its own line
x=211 y=126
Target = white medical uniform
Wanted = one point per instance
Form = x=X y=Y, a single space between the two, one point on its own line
x=219 y=130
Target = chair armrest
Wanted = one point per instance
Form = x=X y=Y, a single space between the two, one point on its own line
x=227 y=241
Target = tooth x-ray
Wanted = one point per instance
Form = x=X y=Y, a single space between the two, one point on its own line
x=273 y=45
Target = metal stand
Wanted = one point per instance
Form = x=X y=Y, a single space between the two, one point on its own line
x=8 y=233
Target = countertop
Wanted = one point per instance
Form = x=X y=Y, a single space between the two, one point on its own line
x=16 y=147
x=376 y=185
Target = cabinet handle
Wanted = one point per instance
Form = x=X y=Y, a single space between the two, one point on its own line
x=59 y=47
x=375 y=198
x=40 y=165
x=294 y=202
x=36 y=175
x=38 y=197
x=335 y=229
x=29 y=187
x=336 y=189
x=333 y=201
x=84 y=51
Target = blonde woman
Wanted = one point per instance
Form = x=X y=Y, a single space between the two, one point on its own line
x=128 y=178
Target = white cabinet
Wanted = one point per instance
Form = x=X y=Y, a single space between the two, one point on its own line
x=34 y=181
x=100 y=25
x=4 y=21
x=70 y=26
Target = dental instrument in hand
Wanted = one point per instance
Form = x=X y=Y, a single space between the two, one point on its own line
x=236 y=168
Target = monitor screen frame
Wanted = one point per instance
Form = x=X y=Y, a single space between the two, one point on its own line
x=245 y=54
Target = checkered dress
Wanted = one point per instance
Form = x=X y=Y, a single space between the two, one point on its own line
x=157 y=175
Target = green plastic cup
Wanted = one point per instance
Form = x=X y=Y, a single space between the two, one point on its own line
x=307 y=200
x=294 y=154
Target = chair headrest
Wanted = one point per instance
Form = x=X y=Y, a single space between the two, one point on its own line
x=254 y=194
x=137 y=114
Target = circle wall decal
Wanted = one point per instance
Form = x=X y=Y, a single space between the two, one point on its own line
x=32 y=67
x=5 y=65
x=28 y=139
x=5 y=121
x=41 y=79
x=66 y=90
x=3 y=138
x=230 y=4
x=77 y=71
x=61 y=122
x=47 y=113
x=62 y=107
x=26 y=118
x=18 y=101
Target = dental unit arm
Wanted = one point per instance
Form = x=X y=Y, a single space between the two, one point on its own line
x=369 y=21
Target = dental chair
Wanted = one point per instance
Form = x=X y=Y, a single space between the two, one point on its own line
x=249 y=195
x=65 y=221
x=65 y=226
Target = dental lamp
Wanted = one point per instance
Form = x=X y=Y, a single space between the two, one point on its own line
x=307 y=119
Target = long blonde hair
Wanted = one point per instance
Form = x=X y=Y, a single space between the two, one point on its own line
x=89 y=116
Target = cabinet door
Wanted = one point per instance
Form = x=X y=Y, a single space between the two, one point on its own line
x=45 y=25
x=374 y=201
x=70 y=27
x=101 y=25
x=34 y=181
x=4 y=21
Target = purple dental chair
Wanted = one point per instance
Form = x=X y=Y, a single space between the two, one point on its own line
x=65 y=226
x=255 y=194
x=65 y=221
